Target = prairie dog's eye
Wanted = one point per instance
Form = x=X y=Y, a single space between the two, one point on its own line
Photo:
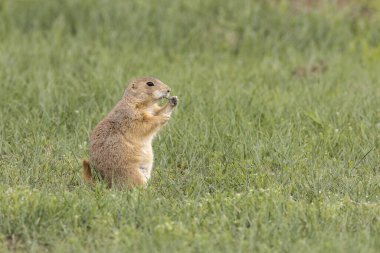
x=150 y=83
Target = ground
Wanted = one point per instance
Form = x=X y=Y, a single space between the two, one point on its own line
x=274 y=147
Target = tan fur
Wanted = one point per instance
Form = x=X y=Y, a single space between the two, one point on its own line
x=121 y=144
x=87 y=175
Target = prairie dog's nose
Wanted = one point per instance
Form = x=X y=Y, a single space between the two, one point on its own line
x=168 y=91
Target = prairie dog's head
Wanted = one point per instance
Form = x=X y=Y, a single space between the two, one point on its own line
x=147 y=89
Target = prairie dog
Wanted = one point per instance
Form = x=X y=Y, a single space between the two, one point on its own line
x=121 y=144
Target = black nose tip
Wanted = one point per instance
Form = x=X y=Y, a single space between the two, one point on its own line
x=168 y=91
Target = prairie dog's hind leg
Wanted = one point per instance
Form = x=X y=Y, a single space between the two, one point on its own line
x=146 y=170
x=128 y=177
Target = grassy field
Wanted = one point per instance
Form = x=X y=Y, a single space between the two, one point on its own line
x=274 y=147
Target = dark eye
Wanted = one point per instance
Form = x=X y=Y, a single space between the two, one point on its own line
x=150 y=83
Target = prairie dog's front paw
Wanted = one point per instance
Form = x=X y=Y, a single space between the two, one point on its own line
x=164 y=118
x=173 y=101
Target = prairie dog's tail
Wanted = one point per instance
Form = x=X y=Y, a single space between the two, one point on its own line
x=87 y=175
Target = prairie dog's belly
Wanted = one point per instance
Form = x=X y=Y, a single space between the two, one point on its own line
x=147 y=159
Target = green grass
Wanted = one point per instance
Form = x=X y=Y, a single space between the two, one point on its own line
x=274 y=147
